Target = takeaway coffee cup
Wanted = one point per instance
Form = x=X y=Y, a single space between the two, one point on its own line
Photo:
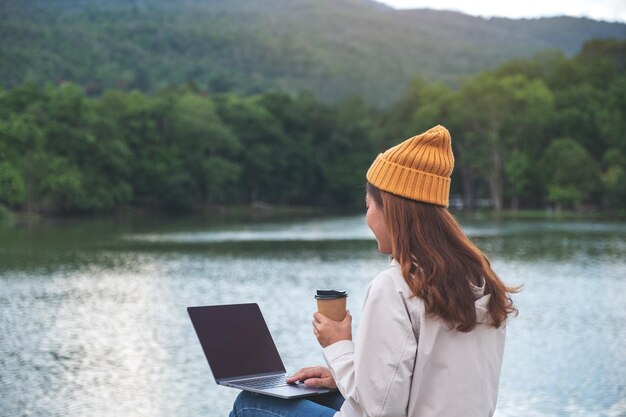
x=332 y=303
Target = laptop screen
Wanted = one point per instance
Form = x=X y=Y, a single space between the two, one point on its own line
x=235 y=340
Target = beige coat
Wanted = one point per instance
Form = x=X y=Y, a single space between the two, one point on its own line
x=403 y=363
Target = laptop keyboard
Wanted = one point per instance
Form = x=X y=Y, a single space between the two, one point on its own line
x=265 y=382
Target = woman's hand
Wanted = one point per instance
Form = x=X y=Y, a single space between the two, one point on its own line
x=330 y=331
x=315 y=376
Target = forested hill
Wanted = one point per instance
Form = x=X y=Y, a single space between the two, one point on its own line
x=334 y=48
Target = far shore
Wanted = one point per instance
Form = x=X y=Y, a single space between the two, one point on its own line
x=267 y=211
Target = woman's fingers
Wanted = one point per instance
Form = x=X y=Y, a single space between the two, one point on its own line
x=319 y=317
x=297 y=376
x=324 y=382
x=306 y=373
x=315 y=382
x=317 y=325
x=314 y=376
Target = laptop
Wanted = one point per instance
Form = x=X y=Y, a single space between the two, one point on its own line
x=241 y=352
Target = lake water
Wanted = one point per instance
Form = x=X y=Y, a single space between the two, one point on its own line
x=93 y=319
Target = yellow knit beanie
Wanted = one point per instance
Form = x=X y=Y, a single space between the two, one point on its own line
x=419 y=168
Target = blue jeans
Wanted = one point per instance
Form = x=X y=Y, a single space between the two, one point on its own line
x=249 y=404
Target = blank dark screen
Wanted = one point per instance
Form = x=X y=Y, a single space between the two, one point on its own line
x=235 y=340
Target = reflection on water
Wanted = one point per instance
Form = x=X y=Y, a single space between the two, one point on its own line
x=93 y=318
x=311 y=230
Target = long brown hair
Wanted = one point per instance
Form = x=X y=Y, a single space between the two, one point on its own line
x=438 y=261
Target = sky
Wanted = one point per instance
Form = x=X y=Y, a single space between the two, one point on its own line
x=609 y=10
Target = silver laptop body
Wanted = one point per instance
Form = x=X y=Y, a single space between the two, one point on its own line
x=241 y=352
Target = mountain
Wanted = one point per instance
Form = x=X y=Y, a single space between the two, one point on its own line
x=334 y=48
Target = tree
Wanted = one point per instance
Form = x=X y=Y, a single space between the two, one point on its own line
x=22 y=143
x=496 y=114
x=570 y=173
x=516 y=173
x=264 y=154
x=307 y=124
x=12 y=186
x=206 y=147
x=349 y=151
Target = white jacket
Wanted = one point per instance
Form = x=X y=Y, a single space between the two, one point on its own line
x=403 y=363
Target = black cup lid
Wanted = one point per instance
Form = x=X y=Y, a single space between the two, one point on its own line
x=330 y=294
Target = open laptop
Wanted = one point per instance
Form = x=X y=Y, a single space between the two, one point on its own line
x=241 y=352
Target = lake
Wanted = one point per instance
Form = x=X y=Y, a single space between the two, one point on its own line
x=93 y=314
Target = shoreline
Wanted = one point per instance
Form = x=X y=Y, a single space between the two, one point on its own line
x=233 y=212
x=538 y=214
x=262 y=211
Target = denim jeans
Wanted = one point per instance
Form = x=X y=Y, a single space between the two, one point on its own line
x=249 y=404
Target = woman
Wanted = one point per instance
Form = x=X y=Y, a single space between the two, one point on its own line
x=431 y=336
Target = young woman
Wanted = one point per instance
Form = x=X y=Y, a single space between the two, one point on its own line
x=431 y=336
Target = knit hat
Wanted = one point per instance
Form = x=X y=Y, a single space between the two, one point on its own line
x=419 y=168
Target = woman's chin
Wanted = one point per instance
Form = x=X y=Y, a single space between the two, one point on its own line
x=383 y=250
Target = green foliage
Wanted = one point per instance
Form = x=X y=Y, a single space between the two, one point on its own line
x=516 y=171
x=334 y=48
x=59 y=184
x=348 y=152
x=264 y=145
x=564 y=196
x=505 y=124
x=498 y=114
x=614 y=181
x=198 y=138
x=12 y=187
x=6 y=217
x=528 y=133
x=571 y=174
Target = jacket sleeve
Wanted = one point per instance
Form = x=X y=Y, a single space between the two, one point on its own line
x=374 y=372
